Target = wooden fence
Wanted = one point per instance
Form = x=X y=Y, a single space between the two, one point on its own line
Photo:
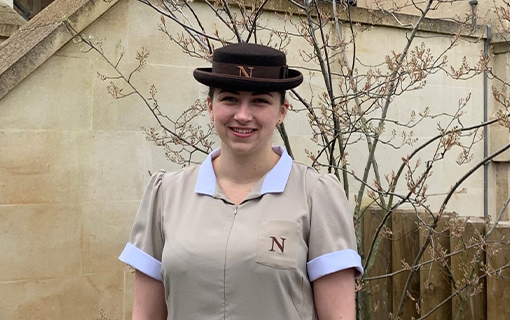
x=435 y=289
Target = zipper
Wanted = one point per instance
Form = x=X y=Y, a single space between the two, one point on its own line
x=225 y=267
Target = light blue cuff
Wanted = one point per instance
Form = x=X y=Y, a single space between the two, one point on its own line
x=333 y=262
x=141 y=261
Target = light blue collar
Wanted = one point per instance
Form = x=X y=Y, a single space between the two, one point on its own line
x=274 y=181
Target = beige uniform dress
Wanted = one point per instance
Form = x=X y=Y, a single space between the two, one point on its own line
x=252 y=261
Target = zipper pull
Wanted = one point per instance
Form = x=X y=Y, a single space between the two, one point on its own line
x=235 y=210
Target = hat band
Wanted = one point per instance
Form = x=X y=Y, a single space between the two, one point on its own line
x=246 y=71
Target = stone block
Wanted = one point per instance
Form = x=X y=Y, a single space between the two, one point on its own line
x=468 y=200
x=84 y=297
x=501 y=62
x=176 y=91
x=297 y=121
x=105 y=232
x=299 y=145
x=113 y=166
x=487 y=14
x=40 y=166
x=444 y=99
x=499 y=137
x=39 y=242
x=108 y=113
x=143 y=31
x=56 y=95
x=373 y=40
x=110 y=29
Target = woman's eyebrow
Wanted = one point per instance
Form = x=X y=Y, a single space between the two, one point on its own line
x=262 y=93
x=228 y=91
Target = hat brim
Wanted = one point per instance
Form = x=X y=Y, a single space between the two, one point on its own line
x=226 y=81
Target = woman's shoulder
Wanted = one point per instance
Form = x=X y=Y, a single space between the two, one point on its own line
x=311 y=176
x=305 y=170
x=171 y=178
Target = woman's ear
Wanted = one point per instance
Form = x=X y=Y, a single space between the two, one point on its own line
x=209 y=108
x=283 y=111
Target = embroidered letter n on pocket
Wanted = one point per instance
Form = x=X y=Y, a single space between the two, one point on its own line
x=278 y=242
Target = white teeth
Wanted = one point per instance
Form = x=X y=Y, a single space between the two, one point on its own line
x=243 y=131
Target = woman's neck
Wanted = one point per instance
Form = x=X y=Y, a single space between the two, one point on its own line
x=244 y=169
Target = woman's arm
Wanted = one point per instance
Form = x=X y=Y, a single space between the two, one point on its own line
x=149 y=298
x=334 y=296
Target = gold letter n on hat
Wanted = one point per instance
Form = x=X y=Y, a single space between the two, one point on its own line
x=242 y=71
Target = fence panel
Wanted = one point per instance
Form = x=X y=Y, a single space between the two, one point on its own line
x=405 y=248
x=463 y=241
x=498 y=284
x=435 y=281
x=380 y=290
x=453 y=249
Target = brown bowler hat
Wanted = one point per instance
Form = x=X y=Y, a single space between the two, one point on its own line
x=249 y=67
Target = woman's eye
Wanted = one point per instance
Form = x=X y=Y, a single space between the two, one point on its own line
x=228 y=99
x=261 y=100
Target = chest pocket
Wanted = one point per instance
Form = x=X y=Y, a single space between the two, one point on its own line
x=277 y=244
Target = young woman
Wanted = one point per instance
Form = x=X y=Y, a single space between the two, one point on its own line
x=249 y=234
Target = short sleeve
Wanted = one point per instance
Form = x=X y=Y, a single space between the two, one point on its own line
x=145 y=246
x=332 y=241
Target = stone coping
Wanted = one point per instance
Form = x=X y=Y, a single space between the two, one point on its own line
x=41 y=37
x=500 y=43
x=366 y=16
x=10 y=20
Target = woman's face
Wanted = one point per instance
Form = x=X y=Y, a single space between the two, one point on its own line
x=245 y=121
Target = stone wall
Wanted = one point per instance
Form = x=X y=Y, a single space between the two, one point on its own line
x=73 y=167
x=74 y=161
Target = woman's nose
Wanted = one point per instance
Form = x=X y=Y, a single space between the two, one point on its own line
x=243 y=113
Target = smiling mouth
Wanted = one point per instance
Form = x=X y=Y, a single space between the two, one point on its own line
x=243 y=131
